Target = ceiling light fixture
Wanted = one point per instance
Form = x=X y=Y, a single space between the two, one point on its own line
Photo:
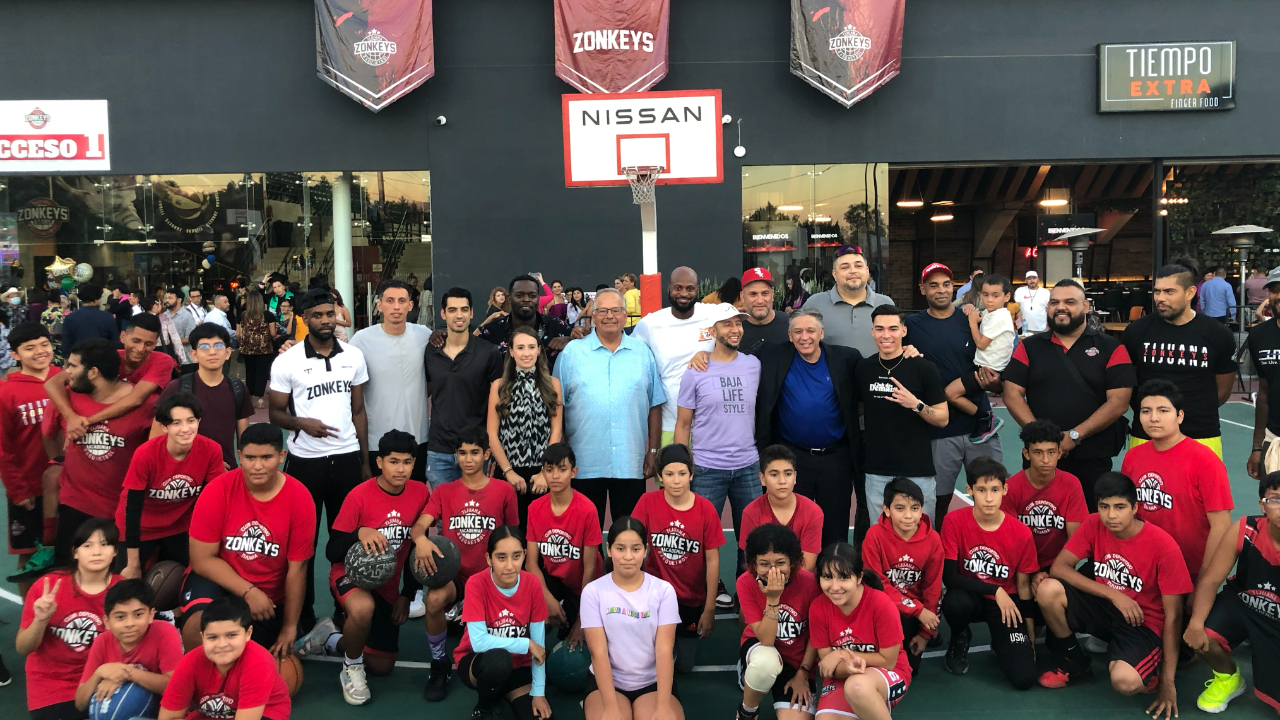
x=942 y=216
x=790 y=208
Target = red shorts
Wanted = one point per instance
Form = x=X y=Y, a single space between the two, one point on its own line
x=831 y=699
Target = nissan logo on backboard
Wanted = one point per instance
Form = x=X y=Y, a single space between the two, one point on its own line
x=1163 y=77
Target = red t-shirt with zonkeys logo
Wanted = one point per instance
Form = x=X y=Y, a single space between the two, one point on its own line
x=198 y=689
x=54 y=667
x=159 y=651
x=506 y=617
x=172 y=486
x=1046 y=511
x=679 y=541
x=257 y=539
x=561 y=538
x=96 y=462
x=992 y=556
x=872 y=626
x=1143 y=567
x=468 y=516
x=793 y=611
x=368 y=505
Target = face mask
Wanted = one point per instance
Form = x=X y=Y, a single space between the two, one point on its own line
x=15 y=300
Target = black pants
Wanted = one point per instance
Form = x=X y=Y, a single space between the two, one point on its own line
x=1011 y=645
x=257 y=371
x=329 y=479
x=526 y=498
x=1088 y=470
x=69 y=520
x=911 y=628
x=59 y=711
x=496 y=678
x=621 y=493
x=828 y=480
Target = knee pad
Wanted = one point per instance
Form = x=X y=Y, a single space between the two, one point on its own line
x=686 y=654
x=491 y=669
x=522 y=707
x=763 y=666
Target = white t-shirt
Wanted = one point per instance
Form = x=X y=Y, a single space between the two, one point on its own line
x=396 y=396
x=321 y=389
x=998 y=326
x=673 y=343
x=630 y=621
x=1032 y=304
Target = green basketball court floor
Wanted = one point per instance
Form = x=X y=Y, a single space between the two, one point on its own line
x=712 y=691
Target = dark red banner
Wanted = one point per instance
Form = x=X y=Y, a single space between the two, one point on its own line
x=376 y=51
x=611 y=46
x=846 y=48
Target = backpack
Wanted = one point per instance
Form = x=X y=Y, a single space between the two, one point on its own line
x=187 y=383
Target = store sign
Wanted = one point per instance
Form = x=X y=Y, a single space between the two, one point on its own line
x=771 y=236
x=1153 y=77
x=42 y=217
x=1049 y=227
x=54 y=136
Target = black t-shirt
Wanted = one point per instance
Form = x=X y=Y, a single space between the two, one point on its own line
x=897 y=438
x=755 y=336
x=220 y=413
x=1264 y=348
x=948 y=344
x=1190 y=356
x=459 y=390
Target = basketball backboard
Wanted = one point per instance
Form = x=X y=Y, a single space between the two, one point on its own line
x=679 y=131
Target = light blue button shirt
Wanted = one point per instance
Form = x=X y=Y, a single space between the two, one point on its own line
x=607 y=396
x=1217 y=298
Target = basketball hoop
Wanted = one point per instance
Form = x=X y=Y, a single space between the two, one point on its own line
x=643 y=182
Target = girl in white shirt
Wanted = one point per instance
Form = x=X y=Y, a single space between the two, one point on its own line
x=630 y=618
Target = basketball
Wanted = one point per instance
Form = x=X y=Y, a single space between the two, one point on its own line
x=165 y=580
x=128 y=701
x=447 y=567
x=568 y=669
x=291 y=671
x=369 y=571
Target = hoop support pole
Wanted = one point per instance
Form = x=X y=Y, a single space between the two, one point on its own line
x=651 y=279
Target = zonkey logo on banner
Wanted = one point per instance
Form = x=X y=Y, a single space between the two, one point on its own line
x=846 y=48
x=610 y=46
x=374 y=52
x=54 y=136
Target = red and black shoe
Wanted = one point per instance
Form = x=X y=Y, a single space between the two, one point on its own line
x=1066 y=674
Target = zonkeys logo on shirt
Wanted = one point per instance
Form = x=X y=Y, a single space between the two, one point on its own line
x=848 y=641
x=99 y=443
x=675 y=543
x=1151 y=493
x=1116 y=572
x=557 y=546
x=1042 y=517
x=394 y=530
x=78 y=630
x=985 y=562
x=176 y=489
x=217 y=707
x=332 y=387
x=789 y=628
x=1157 y=353
x=1263 y=600
x=253 y=542
x=506 y=625
x=471 y=524
x=904 y=573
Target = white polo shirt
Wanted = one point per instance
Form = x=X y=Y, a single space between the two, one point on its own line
x=321 y=388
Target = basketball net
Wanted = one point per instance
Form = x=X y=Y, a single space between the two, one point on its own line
x=643 y=181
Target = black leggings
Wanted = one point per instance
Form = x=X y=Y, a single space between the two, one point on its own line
x=257 y=371
x=495 y=678
x=1011 y=645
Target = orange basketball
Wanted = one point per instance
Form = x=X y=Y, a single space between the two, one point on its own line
x=291 y=671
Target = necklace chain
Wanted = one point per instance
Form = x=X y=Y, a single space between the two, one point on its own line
x=889 y=370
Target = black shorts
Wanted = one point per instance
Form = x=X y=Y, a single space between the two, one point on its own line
x=59 y=711
x=1231 y=622
x=631 y=695
x=781 y=695
x=384 y=635
x=1138 y=646
x=970 y=382
x=689 y=617
x=176 y=547
x=520 y=676
x=569 y=600
x=26 y=527
x=198 y=591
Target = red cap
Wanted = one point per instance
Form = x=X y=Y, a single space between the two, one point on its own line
x=757 y=275
x=933 y=268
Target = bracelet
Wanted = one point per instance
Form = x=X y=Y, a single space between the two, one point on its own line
x=246 y=592
x=807 y=670
x=506 y=470
x=1257 y=449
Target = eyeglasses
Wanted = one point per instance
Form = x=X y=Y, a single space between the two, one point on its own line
x=1270 y=501
x=611 y=311
x=207 y=346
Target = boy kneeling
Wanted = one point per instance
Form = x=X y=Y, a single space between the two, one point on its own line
x=136 y=650
x=1134 y=602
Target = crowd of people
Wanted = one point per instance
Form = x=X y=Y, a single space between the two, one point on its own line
x=803 y=417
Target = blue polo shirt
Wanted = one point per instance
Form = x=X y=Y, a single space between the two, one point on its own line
x=948 y=344
x=808 y=409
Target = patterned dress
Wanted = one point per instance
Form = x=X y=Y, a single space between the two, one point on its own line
x=526 y=430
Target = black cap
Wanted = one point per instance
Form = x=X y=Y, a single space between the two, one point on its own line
x=314 y=297
x=674 y=453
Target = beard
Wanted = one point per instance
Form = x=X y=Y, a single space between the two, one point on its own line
x=681 y=305
x=1172 y=313
x=524 y=312
x=323 y=334
x=730 y=345
x=82 y=385
x=1073 y=322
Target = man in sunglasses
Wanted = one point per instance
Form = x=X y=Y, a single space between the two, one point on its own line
x=225 y=400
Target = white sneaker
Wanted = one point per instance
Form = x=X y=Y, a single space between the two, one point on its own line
x=167 y=616
x=355 y=689
x=418 y=607
x=455 y=613
x=313 y=643
x=1093 y=644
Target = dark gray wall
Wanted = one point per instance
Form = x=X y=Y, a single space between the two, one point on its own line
x=230 y=86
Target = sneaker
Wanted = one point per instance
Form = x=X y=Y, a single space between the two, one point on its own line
x=454 y=613
x=987 y=431
x=417 y=608
x=5 y=677
x=956 y=660
x=482 y=711
x=438 y=685
x=1092 y=644
x=36 y=566
x=313 y=643
x=744 y=715
x=355 y=688
x=167 y=616
x=724 y=601
x=1066 y=674
x=1219 y=691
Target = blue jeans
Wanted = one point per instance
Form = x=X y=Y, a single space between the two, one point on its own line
x=442 y=468
x=739 y=486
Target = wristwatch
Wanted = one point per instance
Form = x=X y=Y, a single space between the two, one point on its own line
x=920 y=406
x=1075 y=436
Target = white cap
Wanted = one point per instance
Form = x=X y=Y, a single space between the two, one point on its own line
x=1032 y=273
x=11 y=291
x=724 y=311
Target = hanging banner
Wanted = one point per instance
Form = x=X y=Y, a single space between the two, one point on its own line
x=611 y=46
x=846 y=48
x=376 y=51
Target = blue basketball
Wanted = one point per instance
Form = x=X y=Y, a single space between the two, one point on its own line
x=130 y=700
x=568 y=670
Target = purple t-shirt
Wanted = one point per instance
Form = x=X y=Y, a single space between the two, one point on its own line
x=723 y=400
x=630 y=621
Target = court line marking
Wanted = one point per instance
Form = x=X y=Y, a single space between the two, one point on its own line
x=1233 y=422
x=11 y=597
